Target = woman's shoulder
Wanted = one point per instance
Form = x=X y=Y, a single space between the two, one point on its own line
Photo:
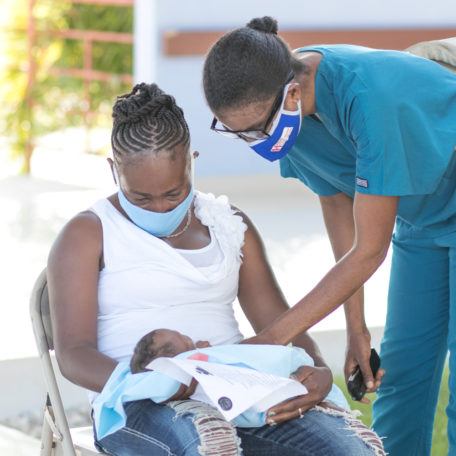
x=217 y=210
x=82 y=233
x=225 y=220
x=376 y=72
x=88 y=223
x=85 y=222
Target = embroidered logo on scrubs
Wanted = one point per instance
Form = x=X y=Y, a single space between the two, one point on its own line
x=277 y=147
x=362 y=182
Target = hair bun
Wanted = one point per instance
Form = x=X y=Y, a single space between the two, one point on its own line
x=144 y=99
x=265 y=24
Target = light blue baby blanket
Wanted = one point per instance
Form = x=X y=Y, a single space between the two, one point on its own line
x=123 y=386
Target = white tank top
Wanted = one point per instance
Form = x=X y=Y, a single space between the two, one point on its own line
x=147 y=284
x=205 y=259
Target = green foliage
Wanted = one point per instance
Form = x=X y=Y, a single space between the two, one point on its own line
x=16 y=96
x=439 y=437
x=114 y=58
x=56 y=102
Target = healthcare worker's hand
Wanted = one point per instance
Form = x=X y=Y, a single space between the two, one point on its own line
x=358 y=354
x=317 y=380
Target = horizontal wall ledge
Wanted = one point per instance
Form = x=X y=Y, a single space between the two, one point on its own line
x=193 y=43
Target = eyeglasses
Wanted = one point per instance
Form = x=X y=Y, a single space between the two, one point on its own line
x=253 y=135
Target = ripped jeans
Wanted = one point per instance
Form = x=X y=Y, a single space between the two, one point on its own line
x=192 y=428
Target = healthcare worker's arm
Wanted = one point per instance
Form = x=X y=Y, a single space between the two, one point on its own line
x=262 y=301
x=259 y=294
x=338 y=216
x=374 y=218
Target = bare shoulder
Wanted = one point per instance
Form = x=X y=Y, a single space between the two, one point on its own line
x=85 y=226
x=246 y=219
x=82 y=234
x=252 y=236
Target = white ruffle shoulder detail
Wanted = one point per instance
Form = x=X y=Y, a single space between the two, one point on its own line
x=218 y=215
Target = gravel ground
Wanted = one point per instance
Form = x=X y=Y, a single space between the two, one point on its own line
x=31 y=423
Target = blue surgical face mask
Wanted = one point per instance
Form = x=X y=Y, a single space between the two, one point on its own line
x=159 y=224
x=282 y=135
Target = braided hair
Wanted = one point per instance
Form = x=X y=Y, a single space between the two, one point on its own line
x=248 y=65
x=147 y=120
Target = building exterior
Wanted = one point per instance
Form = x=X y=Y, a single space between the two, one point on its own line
x=171 y=37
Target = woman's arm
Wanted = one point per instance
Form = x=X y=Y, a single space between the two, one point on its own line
x=260 y=296
x=340 y=225
x=374 y=218
x=73 y=269
x=262 y=301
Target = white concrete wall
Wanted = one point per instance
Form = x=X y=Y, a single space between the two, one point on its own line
x=210 y=14
x=181 y=76
x=23 y=388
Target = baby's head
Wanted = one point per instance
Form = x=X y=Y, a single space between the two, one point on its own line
x=161 y=343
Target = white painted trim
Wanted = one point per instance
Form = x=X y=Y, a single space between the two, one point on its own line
x=146 y=41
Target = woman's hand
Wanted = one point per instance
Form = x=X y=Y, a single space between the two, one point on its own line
x=317 y=380
x=358 y=354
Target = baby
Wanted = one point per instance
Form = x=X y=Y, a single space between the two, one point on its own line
x=133 y=381
x=278 y=360
x=161 y=343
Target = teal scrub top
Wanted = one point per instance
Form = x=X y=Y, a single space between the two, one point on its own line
x=386 y=125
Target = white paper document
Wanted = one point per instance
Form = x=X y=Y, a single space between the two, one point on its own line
x=231 y=389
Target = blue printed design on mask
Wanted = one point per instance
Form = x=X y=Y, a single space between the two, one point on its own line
x=158 y=224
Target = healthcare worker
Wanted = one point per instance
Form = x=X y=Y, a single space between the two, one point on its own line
x=373 y=134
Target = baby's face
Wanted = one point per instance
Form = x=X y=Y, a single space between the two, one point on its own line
x=170 y=343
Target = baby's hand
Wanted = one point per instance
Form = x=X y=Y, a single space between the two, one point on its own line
x=184 y=392
x=202 y=344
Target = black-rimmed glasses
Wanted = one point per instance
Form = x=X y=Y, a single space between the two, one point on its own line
x=253 y=135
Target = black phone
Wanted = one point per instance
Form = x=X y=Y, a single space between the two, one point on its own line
x=355 y=383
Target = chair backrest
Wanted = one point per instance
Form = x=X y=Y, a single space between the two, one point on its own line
x=40 y=314
x=42 y=327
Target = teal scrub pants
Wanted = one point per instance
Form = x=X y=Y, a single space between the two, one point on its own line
x=420 y=329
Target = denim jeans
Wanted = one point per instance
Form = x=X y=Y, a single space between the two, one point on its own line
x=191 y=428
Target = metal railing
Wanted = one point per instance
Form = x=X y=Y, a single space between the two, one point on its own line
x=87 y=73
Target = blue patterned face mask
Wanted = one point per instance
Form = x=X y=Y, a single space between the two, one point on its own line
x=159 y=224
x=282 y=135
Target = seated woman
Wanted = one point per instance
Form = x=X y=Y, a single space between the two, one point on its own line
x=159 y=254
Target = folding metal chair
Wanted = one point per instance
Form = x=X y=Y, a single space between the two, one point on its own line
x=57 y=438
